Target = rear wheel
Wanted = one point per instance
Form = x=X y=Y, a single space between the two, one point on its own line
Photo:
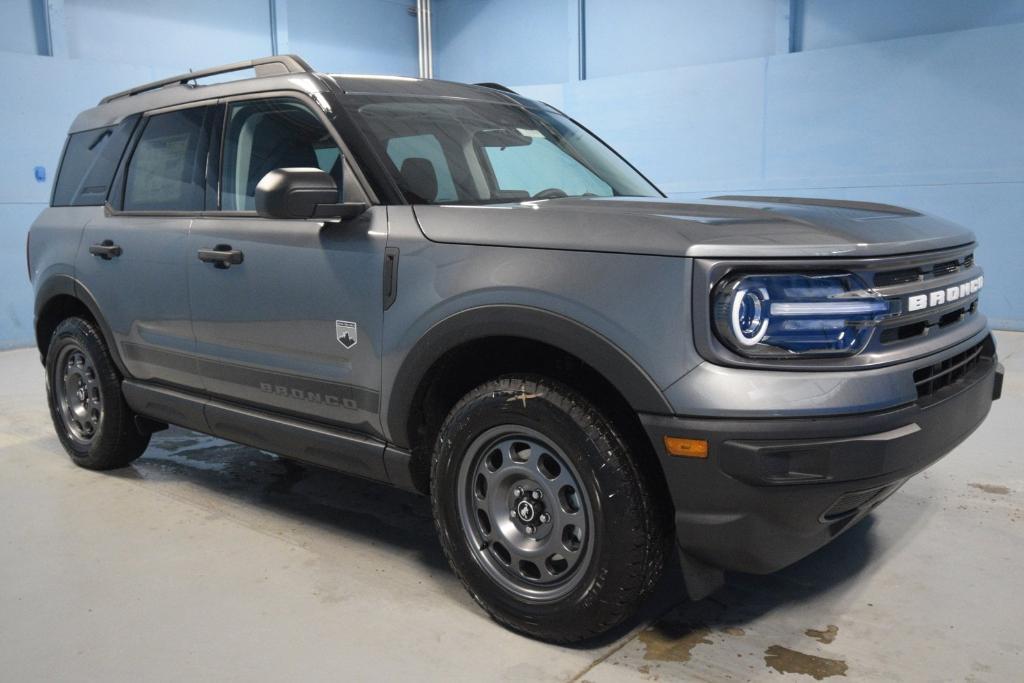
x=92 y=420
x=542 y=512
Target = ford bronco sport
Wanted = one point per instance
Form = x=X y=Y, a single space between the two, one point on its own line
x=462 y=292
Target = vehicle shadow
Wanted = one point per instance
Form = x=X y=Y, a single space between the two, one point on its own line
x=300 y=494
x=312 y=496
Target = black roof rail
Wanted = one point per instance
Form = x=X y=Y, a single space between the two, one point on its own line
x=497 y=86
x=264 y=66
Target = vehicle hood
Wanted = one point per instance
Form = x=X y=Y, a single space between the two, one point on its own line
x=720 y=227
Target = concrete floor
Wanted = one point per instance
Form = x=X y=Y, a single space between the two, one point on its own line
x=211 y=561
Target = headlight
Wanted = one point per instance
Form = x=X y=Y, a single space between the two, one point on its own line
x=789 y=315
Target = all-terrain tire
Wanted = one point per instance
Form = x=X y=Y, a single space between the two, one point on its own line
x=625 y=545
x=83 y=387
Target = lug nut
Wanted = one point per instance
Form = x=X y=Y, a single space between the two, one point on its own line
x=512 y=514
x=518 y=492
x=537 y=495
x=544 y=518
x=530 y=529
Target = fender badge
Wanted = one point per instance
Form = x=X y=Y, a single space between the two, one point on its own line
x=346 y=333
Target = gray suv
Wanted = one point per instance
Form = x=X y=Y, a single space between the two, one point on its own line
x=462 y=292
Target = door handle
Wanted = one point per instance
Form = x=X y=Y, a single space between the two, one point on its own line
x=221 y=256
x=106 y=250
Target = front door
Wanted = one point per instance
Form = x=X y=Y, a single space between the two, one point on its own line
x=294 y=324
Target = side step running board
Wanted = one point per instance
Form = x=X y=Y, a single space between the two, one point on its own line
x=334 y=449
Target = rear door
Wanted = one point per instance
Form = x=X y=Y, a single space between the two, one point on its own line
x=294 y=324
x=132 y=258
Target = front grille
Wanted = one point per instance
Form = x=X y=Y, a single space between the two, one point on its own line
x=932 y=379
x=924 y=272
x=917 y=329
x=927 y=274
x=897 y=277
x=940 y=269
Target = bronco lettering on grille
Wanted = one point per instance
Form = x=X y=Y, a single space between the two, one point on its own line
x=947 y=295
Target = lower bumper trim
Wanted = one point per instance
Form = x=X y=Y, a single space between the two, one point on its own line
x=774 y=490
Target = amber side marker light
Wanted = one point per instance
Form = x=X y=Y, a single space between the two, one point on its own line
x=686 y=448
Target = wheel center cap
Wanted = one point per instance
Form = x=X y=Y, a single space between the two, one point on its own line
x=525 y=510
x=80 y=394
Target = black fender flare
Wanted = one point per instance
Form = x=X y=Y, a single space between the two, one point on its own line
x=636 y=386
x=62 y=284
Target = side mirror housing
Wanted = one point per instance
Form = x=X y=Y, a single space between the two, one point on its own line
x=302 y=193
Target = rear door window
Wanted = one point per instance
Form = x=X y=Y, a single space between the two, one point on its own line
x=89 y=163
x=167 y=171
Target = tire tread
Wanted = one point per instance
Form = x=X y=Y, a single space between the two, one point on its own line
x=119 y=442
x=609 y=605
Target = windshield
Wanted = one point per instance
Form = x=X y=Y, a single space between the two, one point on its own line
x=454 y=151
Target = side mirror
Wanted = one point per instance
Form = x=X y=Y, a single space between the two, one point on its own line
x=302 y=193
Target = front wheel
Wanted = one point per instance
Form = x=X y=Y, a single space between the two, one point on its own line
x=542 y=512
x=92 y=419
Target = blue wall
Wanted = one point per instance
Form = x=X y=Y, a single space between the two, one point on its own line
x=502 y=40
x=114 y=44
x=912 y=102
x=363 y=37
x=679 y=32
x=831 y=23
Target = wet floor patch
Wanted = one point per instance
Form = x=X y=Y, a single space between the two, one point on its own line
x=787 y=661
x=673 y=642
x=176 y=444
x=997 y=489
x=826 y=636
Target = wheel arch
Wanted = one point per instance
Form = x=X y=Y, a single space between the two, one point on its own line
x=61 y=296
x=531 y=324
x=477 y=342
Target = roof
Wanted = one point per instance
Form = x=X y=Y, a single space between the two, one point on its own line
x=283 y=72
x=426 y=87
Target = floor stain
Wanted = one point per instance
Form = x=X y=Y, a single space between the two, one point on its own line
x=668 y=642
x=787 y=661
x=997 y=489
x=826 y=636
x=733 y=631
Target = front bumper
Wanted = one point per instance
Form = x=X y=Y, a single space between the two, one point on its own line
x=774 y=490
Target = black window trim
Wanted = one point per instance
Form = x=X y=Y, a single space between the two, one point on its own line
x=60 y=164
x=114 y=205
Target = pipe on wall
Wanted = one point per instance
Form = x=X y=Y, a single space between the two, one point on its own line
x=426 y=49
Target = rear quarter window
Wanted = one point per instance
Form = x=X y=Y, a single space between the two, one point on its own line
x=89 y=163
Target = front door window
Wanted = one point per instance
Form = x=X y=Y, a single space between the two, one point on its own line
x=263 y=135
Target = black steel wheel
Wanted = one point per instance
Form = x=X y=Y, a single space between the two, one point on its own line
x=542 y=511
x=77 y=391
x=92 y=420
x=524 y=510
